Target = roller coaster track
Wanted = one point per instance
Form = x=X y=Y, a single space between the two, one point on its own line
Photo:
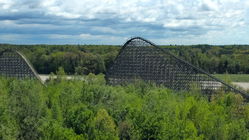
x=14 y=64
x=142 y=59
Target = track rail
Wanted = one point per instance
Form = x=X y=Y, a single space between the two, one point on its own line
x=140 y=58
x=15 y=64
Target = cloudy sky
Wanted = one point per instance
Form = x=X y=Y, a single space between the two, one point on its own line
x=114 y=21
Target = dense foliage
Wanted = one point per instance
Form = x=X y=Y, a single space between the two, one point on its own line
x=90 y=109
x=84 y=59
x=232 y=59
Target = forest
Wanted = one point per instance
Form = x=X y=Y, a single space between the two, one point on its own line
x=90 y=109
x=85 y=59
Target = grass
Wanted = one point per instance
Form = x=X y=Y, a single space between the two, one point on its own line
x=233 y=77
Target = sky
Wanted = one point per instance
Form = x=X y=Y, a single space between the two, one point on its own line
x=215 y=22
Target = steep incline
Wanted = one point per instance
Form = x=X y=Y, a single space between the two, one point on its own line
x=14 y=64
x=141 y=59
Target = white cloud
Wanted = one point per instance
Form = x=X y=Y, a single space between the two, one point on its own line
x=106 y=30
x=168 y=13
x=5 y=4
x=209 y=5
x=183 y=18
x=100 y=37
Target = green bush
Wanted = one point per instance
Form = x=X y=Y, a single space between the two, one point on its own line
x=89 y=109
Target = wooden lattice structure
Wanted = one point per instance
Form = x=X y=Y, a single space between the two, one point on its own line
x=141 y=59
x=14 y=64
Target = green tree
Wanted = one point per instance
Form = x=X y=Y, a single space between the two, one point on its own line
x=27 y=107
x=105 y=127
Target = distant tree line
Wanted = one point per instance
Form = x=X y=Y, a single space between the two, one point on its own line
x=85 y=59
x=232 y=59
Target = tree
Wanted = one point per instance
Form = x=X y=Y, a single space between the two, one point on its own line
x=80 y=118
x=27 y=107
x=104 y=126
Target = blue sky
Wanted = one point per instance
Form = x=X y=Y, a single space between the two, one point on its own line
x=114 y=21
